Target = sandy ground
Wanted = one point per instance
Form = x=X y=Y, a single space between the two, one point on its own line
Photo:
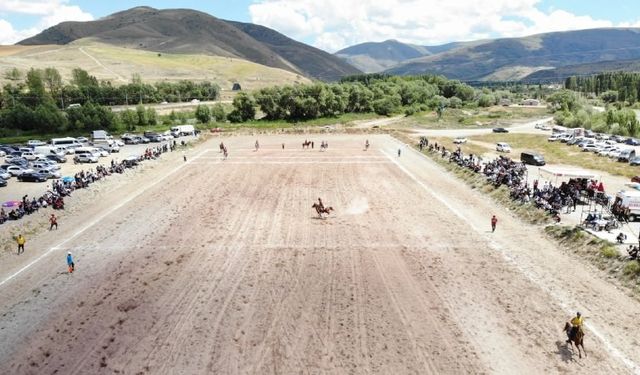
x=216 y=266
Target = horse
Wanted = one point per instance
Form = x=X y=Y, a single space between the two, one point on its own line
x=306 y=144
x=578 y=339
x=222 y=147
x=321 y=210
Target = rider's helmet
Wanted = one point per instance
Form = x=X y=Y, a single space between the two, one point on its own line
x=578 y=313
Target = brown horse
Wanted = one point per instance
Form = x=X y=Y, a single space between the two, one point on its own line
x=306 y=144
x=322 y=210
x=578 y=339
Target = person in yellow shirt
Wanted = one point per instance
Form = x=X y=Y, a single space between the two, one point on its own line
x=20 y=240
x=576 y=324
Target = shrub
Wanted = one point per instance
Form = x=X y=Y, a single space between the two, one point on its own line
x=632 y=268
x=609 y=251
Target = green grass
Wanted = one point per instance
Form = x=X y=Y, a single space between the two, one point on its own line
x=560 y=153
x=476 y=118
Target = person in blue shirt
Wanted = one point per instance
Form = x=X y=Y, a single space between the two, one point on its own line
x=70 y=263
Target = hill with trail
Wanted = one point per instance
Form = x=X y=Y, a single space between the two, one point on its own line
x=185 y=31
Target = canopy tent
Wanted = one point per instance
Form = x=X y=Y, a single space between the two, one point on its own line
x=566 y=173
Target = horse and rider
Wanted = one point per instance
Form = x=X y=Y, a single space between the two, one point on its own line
x=257 y=145
x=575 y=333
x=321 y=209
x=366 y=145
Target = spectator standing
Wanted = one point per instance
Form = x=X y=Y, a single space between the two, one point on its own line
x=399 y=151
x=20 y=240
x=54 y=222
x=494 y=222
x=70 y=264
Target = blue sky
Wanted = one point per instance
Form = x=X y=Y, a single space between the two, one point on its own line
x=334 y=24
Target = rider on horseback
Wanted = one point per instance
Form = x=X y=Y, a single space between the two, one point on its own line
x=576 y=324
x=320 y=204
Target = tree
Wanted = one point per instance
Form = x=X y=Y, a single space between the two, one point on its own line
x=35 y=85
x=486 y=100
x=81 y=78
x=610 y=96
x=129 y=119
x=141 y=114
x=203 y=114
x=244 y=108
x=152 y=116
x=53 y=81
x=218 y=113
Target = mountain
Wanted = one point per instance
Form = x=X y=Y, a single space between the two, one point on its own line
x=312 y=61
x=516 y=58
x=375 y=57
x=191 y=32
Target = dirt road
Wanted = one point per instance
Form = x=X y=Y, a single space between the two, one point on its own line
x=216 y=266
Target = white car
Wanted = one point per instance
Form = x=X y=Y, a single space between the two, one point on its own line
x=4 y=175
x=49 y=173
x=35 y=142
x=83 y=139
x=17 y=170
x=503 y=147
x=554 y=137
x=460 y=140
x=195 y=101
x=591 y=147
x=614 y=154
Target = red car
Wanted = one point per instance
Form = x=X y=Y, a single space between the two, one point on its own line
x=635 y=179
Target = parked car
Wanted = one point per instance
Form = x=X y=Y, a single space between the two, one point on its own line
x=17 y=170
x=591 y=147
x=503 y=147
x=627 y=154
x=85 y=158
x=460 y=140
x=57 y=158
x=532 y=158
x=83 y=139
x=3 y=182
x=142 y=139
x=19 y=162
x=4 y=174
x=618 y=138
x=500 y=130
x=32 y=177
x=635 y=160
x=35 y=143
x=130 y=140
x=635 y=179
x=554 y=137
x=632 y=142
x=49 y=173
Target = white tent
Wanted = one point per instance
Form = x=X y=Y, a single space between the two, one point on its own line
x=562 y=173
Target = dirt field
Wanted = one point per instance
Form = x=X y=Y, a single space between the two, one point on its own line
x=218 y=266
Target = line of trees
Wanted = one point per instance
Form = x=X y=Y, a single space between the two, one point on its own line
x=84 y=88
x=573 y=111
x=31 y=103
x=611 y=87
x=379 y=93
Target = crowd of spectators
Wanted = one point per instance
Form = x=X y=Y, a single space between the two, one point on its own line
x=504 y=171
x=61 y=188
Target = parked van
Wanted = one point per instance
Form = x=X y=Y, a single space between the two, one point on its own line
x=533 y=158
x=503 y=147
x=49 y=150
x=68 y=143
x=183 y=130
x=100 y=134
x=630 y=202
x=627 y=154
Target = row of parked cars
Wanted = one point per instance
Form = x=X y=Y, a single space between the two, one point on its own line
x=25 y=165
x=612 y=146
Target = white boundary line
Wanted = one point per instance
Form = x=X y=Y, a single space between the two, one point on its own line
x=258 y=162
x=608 y=346
x=97 y=220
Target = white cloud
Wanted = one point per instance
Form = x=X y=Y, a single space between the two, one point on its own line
x=334 y=24
x=51 y=13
